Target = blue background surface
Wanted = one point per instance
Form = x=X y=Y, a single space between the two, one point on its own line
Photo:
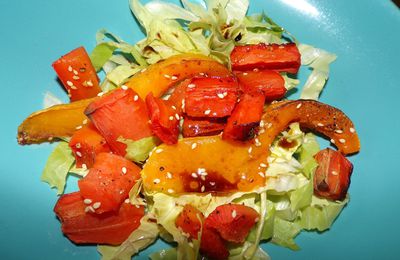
x=364 y=83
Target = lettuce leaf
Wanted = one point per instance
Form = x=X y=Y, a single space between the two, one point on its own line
x=138 y=151
x=165 y=254
x=57 y=167
x=50 y=100
x=285 y=232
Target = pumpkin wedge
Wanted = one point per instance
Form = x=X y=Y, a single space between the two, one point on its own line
x=61 y=120
x=210 y=164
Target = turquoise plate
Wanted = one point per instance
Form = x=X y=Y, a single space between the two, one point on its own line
x=364 y=83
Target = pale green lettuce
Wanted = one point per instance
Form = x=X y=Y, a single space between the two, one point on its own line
x=138 y=151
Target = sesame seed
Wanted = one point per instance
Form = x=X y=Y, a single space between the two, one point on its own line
x=335 y=173
x=124 y=170
x=127 y=201
x=194 y=175
x=255 y=70
x=203 y=188
x=320 y=124
x=75 y=72
x=256 y=220
x=89 y=208
x=212 y=183
x=174 y=77
x=124 y=87
x=87 y=201
x=269 y=125
x=143 y=70
x=70 y=68
x=121 y=191
x=342 y=140
x=225 y=94
x=135 y=98
x=338 y=131
x=79 y=154
x=156 y=181
x=201 y=74
x=332 y=141
x=177 y=117
x=169 y=175
x=298 y=106
x=191 y=85
x=100 y=94
x=262 y=123
x=263 y=165
x=96 y=205
x=75 y=77
x=191 y=244
x=69 y=83
x=171 y=118
x=173 y=107
x=261 y=174
x=243 y=177
x=234 y=214
x=194 y=145
x=183 y=104
x=250 y=149
x=78 y=145
x=167 y=76
x=171 y=191
x=159 y=150
x=207 y=112
x=137 y=206
x=261 y=131
x=245 y=73
x=78 y=127
x=257 y=142
x=74 y=87
x=352 y=130
x=84 y=166
x=203 y=178
x=214 y=114
x=220 y=95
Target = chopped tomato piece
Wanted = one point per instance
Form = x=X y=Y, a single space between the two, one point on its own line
x=202 y=126
x=332 y=177
x=164 y=119
x=77 y=74
x=212 y=245
x=122 y=113
x=176 y=100
x=83 y=227
x=245 y=117
x=108 y=182
x=211 y=96
x=190 y=221
x=86 y=143
x=278 y=57
x=270 y=82
x=232 y=221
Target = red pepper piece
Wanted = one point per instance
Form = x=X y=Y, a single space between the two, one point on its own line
x=121 y=113
x=77 y=74
x=232 y=221
x=202 y=126
x=86 y=143
x=270 y=82
x=108 y=182
x=211 y=96
x=278 y=57
x=176 y=100
x=332 y=177
x=83 y=227
x=212 y=245
x=164 y=119
x=245 y=117
x=190 y=221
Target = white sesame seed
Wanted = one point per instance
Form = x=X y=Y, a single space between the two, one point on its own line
x=124 y=170
x=207 y=112
x=177 y=116
x=143 y=70
x=84 y=121
x=171 y=118
x=84 y=166
x=70 y=68
x=261 y=174
x=89 y=208
x=261 y=131
x=75 y=77
x=262 y=123
x=174 y=77
x=220 y=95
x=194 y=175
x=156 y=181
x=225 y=94
x=234 y=214
x=79 y=154
x=159 y=150
x=171 y=191
x=75 y=72
x=169 y=175
x=121 y=191
x=78 y=127
x=320 y=124
x=243 y=177
x=78 y=145
x=212 y=183
x=69 y=83
x=74 y=87
x=214 y=113
x=342 y=140
x=183 y=105
x=203 y=188
x=173 y=107
x=194 y=145
x=257 y=142
x=269 y=125
x=135 y=98
x=250 y=149
x=203 y=178
x=263 y=165
x=245 y=73
x=352 y=130
x=100 y=94
x=191 y=85
x=124 y=87
x=298 y=106
x=96 y=205
x=335 y=173
x=201 y=74
x=87 y=201
x=127 y=201
x=338 y=131
x=167 y=76
x=332 y=141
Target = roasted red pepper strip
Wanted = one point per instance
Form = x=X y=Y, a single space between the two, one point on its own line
x=278 y=57
x=245 y=117
x=164 y=119
x=77 y=74
x=202 y=126
x=232 y=221
x=83 y=227
x=176 y=100
x=270 y=82
x=86 y=143
x=211 y=96
x=121 y=113
x=332 y=176
x=108 y=182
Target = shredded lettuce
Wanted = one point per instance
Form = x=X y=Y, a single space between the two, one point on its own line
x=57 y=167
x=139 y=150
x=165 y=254
x=50 y=100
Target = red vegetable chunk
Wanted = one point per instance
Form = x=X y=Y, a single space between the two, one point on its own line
x=211 y=96
x=202 y=126
x=108 y=182
x=190 y=221
x=212 y=245
x=176 y=100
x=232 y=221
x=121 y=113
x=332 y=177
x=245 y=118
x=270 y=82
x=278 y=57
x=164 y=119
x=86 y=143
x=83 y=227
x=76 y=72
